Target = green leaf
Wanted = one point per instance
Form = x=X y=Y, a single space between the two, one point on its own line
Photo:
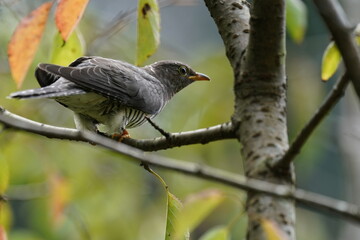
x=148 y=30
x=196 y=209
x=330 y=61
x=174 y=207
x=216 y=233
x=296 y=19
x=4 y=174
x=63 y=53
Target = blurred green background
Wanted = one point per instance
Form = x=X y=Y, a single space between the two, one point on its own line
x=71 y=190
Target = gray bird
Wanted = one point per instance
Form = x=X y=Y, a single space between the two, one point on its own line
x=111 y=92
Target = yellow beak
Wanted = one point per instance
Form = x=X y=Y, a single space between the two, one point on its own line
x=199 y=77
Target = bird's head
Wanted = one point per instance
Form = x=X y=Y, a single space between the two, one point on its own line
x=175 y=75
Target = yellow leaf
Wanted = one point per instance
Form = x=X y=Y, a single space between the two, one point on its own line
x=330 y=61
x=272 y=231
x=25 y=41
x=68 y=14
x=63 y=53
x=148 y=30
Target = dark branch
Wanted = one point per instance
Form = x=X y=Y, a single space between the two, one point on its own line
x=159 y=129
x=205 y=135
x=343 y=35
x=333 y=97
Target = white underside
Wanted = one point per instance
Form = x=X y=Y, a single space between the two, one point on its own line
x=93 y=105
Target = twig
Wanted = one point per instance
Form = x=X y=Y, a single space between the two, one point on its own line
x=333 y=97
x=340 y=208
x=15 y=14
x=125 y=17
x=202 y=136
x=343 y=35
x=162 y=131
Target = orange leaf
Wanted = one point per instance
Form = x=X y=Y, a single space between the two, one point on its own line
x=25 y=41
x=3 y=235
x=68 y=14
x=60 y=196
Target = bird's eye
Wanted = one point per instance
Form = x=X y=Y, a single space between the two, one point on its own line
x=183 y=70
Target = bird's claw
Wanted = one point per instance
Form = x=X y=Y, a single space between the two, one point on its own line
x=120 y=136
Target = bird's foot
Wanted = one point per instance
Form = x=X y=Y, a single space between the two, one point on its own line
x=120 y=136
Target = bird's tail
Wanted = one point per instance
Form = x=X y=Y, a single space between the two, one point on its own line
x=45 y=92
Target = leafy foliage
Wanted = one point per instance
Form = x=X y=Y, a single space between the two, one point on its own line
x=27 y=36
x=105 y=189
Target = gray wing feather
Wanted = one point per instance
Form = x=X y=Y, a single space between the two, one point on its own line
x=114 y=79
x=60 y=88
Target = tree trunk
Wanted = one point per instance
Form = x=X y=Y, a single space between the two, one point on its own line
x=260 y=102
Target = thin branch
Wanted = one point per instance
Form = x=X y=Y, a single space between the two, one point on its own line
x=205 y=135
x=343 y=35
x=333 y=97
x=14 y=13
x=123 y=18
x=159 y=129
x=340 y=208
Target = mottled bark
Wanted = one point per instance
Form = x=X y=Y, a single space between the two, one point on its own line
x=260 y=104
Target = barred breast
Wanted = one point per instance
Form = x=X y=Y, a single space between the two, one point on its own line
x=134 y=117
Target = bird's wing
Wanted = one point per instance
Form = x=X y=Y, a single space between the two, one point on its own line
x=114 y=79
x=45 y=78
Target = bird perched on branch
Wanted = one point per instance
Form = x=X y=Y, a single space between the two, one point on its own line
x=111 y=92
